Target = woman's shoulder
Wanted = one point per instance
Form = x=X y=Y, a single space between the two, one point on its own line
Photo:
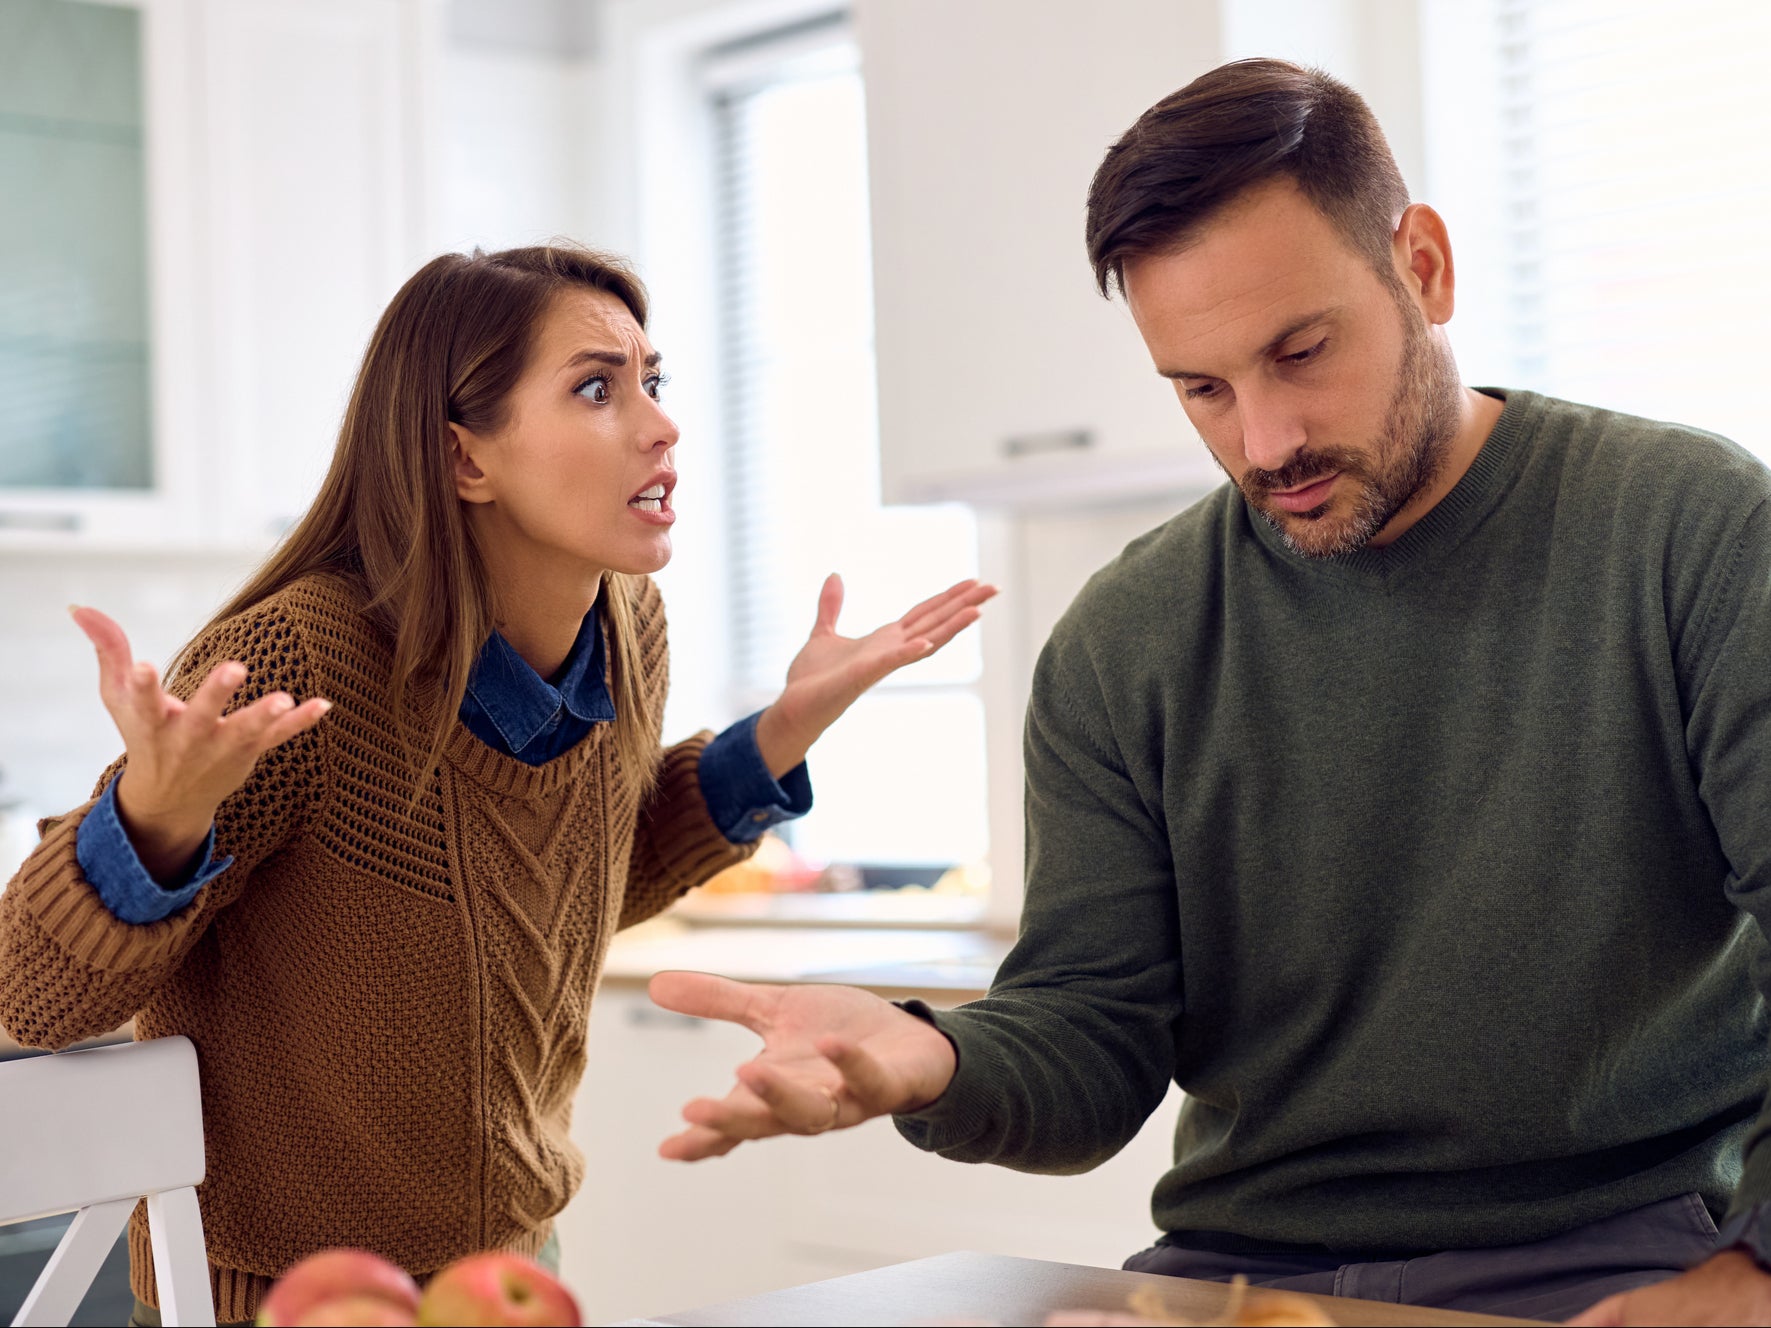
x=315 y=623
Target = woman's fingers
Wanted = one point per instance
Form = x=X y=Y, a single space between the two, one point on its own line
x=934 y=602
x=211 y=698
x=829 y=604
x=274 y=719
x=695 y=1144
x=931 y=614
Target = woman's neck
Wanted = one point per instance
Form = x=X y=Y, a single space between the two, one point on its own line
x=540 y=604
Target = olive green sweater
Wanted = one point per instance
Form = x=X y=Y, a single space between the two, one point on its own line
x=1434 y=874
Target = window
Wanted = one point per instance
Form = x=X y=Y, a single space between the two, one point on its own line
x=73 y=248
x=1615 y=205
x=901 y=778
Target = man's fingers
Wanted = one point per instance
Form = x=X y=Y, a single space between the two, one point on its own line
x=708 y=997
x=695 y=1144
x=1605 y=1314
x=801 y=1107
x=862 y=1075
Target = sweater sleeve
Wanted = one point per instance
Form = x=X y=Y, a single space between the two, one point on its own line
x=677 y=843
x=1064 y=1060
x=1726 y=669
x=69 y=968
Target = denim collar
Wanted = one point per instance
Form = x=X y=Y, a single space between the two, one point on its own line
x=519 y=703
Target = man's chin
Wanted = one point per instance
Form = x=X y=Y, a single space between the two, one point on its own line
x=1318 y=533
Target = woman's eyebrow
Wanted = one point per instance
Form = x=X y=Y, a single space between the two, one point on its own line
x=617 y=358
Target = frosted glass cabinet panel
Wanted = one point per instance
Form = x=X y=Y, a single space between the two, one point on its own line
x=74 y=351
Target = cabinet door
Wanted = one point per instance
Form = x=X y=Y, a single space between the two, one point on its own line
x=1001 y=369
x=315 y=159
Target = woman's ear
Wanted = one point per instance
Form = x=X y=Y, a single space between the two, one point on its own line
x=471 y=483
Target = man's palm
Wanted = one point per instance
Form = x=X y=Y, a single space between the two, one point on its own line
x=832 y=1057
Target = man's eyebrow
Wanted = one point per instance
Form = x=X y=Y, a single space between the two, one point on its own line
x=1272 y=346
x=615 y=357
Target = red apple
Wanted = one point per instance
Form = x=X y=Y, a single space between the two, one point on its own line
x=335 y=1275
x=357 y=1312
x=497 y=1288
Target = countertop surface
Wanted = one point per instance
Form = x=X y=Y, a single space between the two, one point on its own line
x=952 y=964
x=968 y=1288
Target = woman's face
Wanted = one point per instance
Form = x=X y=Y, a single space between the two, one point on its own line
x=583 y=467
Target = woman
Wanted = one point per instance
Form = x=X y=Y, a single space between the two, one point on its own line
x=382 y=931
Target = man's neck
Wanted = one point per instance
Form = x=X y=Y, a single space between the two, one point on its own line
x=1477 y=414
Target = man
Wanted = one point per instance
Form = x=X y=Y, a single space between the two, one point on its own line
x=1403 y=800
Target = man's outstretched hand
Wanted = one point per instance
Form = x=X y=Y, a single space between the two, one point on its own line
x=1728 y=1288
x=832 y=1057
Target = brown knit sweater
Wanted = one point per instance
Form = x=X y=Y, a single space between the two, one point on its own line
x=389 y=1013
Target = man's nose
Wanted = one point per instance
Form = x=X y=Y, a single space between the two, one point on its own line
x=1272 y=433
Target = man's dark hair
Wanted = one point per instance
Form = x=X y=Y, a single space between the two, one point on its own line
x=1238 y=126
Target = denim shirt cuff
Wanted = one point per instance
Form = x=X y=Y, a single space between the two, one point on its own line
x=113 y=867
x=743 y=797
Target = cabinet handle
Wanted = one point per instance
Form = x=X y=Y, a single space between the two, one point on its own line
x=40 y=520
x=1056 y=440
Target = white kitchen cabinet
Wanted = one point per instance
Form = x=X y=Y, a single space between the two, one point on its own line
x=646 y=1236
x=285 y=147
x=1004 y=377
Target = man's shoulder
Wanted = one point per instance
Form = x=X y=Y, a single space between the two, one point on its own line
x=1165 y=574
x=1646 y=463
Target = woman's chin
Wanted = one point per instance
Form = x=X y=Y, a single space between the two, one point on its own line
x=643 y=561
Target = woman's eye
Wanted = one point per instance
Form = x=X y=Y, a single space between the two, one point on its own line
x=655 y=386
x=595 y=389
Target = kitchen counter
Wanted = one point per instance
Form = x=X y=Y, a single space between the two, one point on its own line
x=952 y=966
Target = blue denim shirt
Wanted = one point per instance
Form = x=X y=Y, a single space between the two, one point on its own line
x=512 y=709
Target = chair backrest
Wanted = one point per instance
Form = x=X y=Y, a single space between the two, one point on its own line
x=95 y=1131
x=82 y=1127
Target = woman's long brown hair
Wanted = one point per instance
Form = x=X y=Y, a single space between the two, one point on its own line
x=449 y=349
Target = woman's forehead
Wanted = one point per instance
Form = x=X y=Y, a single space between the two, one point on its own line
x=581 y=319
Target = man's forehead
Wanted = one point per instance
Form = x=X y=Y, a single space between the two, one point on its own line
x=1246 y=279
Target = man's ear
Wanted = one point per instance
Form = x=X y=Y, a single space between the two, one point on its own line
x=471 y=483
x=1422 y=251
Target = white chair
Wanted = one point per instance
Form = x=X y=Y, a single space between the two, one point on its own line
x=97 y=1131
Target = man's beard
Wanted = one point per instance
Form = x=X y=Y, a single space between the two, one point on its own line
x=1421 y=422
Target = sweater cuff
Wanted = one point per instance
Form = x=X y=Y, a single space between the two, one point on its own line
x=962 y=1114
x=743 y=797
x=53 y=889
x=113 y=867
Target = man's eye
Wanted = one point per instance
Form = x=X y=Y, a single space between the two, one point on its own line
x=1203 y=391
x=595 y=388
x=1306 y=355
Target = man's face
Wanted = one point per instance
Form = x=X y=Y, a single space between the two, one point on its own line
x=1318 y=386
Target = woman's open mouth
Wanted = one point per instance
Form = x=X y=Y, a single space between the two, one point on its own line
x=653 y=505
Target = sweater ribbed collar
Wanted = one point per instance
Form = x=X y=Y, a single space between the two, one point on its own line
x=1470 y=499
x=511 y=778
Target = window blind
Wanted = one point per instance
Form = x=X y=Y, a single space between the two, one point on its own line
x=1634 y=139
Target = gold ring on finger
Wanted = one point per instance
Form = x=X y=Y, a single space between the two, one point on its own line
x=835 y=1111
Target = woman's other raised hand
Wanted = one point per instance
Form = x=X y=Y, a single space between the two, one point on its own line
x=185 y=756
x=831 y=672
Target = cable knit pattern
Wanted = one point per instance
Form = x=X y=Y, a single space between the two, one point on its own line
x=389 y=1008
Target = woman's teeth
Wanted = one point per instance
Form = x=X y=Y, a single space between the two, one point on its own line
x=650 y=500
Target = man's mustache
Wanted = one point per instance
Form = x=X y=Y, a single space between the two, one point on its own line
x=1301 y=469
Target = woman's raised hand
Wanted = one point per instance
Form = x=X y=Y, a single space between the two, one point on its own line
x=832 y=1057
x=830 y=672
x=185 y=757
